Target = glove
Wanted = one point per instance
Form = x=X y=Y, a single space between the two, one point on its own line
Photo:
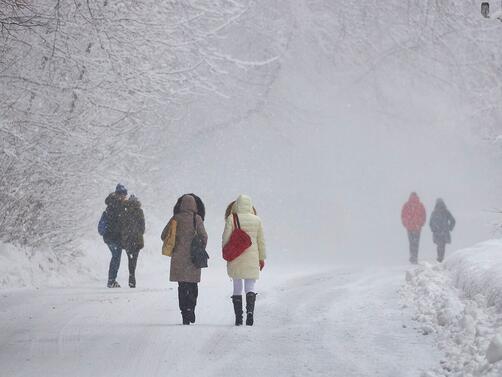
x=262 y=264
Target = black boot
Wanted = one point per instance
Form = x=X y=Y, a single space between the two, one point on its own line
x=190 y=316
x=182 y=298
x=237 y=301
x=193 y=293
x=250 y=301
x=132 y=281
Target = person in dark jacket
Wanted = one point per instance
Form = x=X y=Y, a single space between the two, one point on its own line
x=441 y=223
x=115 y=206
x=132 y=228
x=183 y=270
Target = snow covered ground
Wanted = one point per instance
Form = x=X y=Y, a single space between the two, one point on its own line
x=459 y=304
x=336 y=322
x=427 y=321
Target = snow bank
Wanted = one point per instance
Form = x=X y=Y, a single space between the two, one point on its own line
x=460 y=304
x=27 y=268
x=478 y=270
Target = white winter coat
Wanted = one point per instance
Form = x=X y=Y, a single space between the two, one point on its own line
x=246 y=266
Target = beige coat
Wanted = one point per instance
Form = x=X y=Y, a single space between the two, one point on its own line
x=182 y=268
x=246 y=266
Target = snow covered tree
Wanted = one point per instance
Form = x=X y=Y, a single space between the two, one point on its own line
x=92 y=88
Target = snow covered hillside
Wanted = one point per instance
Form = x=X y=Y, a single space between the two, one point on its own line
x=460 y=305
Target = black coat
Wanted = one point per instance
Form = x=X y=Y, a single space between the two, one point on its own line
x=114 y=211
x=132 y=226
x=441 y=223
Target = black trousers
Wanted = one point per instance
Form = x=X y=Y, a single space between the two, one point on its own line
x=414 y=238
x=441 y=251
x=132 y=258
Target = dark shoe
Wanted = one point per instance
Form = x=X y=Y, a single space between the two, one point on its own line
x=237 y=301
x=132 y=281
x=250 y=301
x=190 y=315
x=113 y=284
x=185 y=318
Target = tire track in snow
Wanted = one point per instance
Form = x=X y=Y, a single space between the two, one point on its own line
x=328 y=324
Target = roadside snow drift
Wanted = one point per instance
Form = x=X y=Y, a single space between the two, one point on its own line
x=460 y=303
x=478 y=270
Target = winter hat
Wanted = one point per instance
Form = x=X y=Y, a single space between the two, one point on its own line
x=121 y=190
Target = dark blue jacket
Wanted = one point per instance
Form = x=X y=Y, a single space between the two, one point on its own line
x=442 y=223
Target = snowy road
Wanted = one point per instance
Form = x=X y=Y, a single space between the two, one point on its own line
x=342 y=323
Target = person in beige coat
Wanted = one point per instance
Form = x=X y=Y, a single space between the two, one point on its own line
x=183 y=270
x=245 y=269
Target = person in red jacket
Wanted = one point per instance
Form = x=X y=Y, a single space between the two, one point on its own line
x=413 y=217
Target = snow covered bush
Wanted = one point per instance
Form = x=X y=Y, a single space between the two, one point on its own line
x=460 y=303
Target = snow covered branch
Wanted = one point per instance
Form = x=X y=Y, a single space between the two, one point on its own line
x=87 y=85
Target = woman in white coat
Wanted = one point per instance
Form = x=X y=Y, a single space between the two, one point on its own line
x=245 y=269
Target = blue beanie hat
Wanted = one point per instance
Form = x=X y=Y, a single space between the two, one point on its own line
x=121 y=190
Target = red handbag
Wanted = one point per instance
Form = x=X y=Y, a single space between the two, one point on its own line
x=238 y=243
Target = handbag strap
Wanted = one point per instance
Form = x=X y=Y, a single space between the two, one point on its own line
x=237 y=223
x=195 y=223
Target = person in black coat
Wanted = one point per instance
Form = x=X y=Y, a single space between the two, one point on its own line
x=115 y=206
x=441 y=223
x=132 y=228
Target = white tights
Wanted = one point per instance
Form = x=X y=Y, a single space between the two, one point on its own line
x=248 y=286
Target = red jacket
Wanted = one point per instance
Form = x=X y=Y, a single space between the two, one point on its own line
x=413 y=214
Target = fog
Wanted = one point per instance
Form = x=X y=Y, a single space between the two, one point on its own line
x=354 y=120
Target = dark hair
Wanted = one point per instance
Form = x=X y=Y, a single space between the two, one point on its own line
x=201 y=209
x=228 y=211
